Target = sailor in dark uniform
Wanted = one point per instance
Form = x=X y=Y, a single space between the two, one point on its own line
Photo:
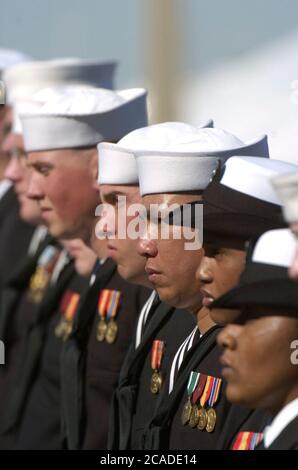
x=91 y=360
x=36 y=304
x=264 y=376
x=15 y=234
x=22 y=310
x=93 y=355
x=15 y=311
x=178 y=174
x=159 y=323
x=237 y=209
x=23 y=78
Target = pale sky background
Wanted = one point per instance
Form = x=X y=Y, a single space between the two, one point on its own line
x=235 y=63
x=211 y=30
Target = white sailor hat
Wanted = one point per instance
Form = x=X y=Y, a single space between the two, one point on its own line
x=252 y=176
x=83 y=117
x=117 y=163
x=265 y=280
x=241 y=200
x=23 y=80
x=286 y=187
x=8 y=58
x=11 y=57
x=189 y=164
x=283 y=144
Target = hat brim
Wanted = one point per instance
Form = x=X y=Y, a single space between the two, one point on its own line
x=275 y=293
x=245 y=226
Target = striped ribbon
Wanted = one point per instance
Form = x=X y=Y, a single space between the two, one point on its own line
x=214 y=392
x=113 y=304
x=157 y=352
x=207 y=390
x=247 y=440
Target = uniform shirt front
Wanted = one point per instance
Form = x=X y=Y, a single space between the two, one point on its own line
x=185 y=437
x=180 y=323
x=41 y=426
x=281 y=421
x=104 y=361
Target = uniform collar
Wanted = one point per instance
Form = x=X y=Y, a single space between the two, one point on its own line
x=280 y=422
x=5 y=185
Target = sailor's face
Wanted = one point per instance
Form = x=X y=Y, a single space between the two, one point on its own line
x=19 y=174
x=116 y=224
x=64 y=184
x=170 y=266
x=219 y=272
x=259 y=363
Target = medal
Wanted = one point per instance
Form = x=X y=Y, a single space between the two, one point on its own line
x=194 y=416
x=247 y=440
x=202 y=421
x=68 y=308
x=102 y=311
x=157 y=353
x=101 y=330
x=156 y=382
x=211 y=420
x=108 y=304
x=112 y=310
x=192 y=383
x=211 y=414
x=195 y=412
x=111 y=332
x=41 y=277
x=186 y=412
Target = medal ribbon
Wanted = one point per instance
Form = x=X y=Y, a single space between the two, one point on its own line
x=256 y=440
x=192 y=383
x=200 y=388
x=72 y=306
x=214 y=392
x=103 y=302
x=157 y=352
x=46 y=255
x=65 y=301
x=48 y=258
x=207 y=391
x=247 y=440
x=113 y=304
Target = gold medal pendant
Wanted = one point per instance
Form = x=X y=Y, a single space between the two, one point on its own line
x=38 y=284
x=156 y=382
x=111 y=332
x=186 y=413
x=211 y=420
x=101 y=330
x=194 y=417
x=202 y=419
x=60 y=329
x=67 y=330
